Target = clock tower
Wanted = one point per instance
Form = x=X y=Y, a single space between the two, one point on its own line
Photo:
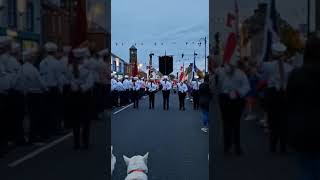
x=133 y=60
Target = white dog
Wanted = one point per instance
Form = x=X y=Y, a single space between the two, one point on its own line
x=137 y=167
x=113 y=160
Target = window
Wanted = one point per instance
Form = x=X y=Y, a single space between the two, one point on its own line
x=114 y=66
x=30 y=16
x=12 y=13
x=120 y=67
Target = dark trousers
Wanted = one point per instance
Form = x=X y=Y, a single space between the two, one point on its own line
x=17 y=113
x=195 y=94
x=122 y=98
x=277 y=120
x=52 y=110
x=231 y=111
x=66 y=104
x=151 y=100
x=166 y=96
x=114 y=97
x=95 y=98
x=38 y=125
x=81 y=117
x=4 y=121
x=182 y=97
x=136 y=98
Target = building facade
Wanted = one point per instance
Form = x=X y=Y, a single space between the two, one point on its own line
x=56 y=22
x=120 y=66
x=21 y=20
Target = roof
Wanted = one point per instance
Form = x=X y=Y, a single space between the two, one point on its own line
x=133 y=48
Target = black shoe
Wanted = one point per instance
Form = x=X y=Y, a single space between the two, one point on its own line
x=76 y=147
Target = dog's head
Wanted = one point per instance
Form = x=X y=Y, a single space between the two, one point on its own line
x=137 y=163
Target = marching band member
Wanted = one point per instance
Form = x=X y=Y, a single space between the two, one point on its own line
x=166 y=87
x=103 y=74
x=81 y=88
x=277 y=73
x=126 y=84
x=195 y=92
x=91 y=63
x=152 y=88
x=120 y=88
x=136 y=91
x=30 y=82
x=65 y=86
x=114 y=92
x=234 y=87
x=49 y=71
x=182 y=92
x=15 y=97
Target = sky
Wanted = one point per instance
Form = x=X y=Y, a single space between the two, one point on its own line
x=168 y=23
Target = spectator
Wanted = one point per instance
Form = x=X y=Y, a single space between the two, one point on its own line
x=204 y=101
x=303 y=106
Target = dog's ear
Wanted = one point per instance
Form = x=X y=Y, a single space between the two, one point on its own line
x=145 y=157
x=126 y=159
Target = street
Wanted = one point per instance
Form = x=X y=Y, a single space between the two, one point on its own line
x=58 y=160
x=177 y=148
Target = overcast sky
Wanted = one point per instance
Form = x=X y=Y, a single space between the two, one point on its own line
x=171 y=22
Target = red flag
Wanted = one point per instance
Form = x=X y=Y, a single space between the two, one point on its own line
x=135 y=70
x=81 y=24
x=181 y=73
x=80 y=36
x=230 y=47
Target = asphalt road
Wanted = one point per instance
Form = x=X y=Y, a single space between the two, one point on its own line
x=178 y=149
x=59 y=161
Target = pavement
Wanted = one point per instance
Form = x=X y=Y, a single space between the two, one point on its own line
x=178 y=149
x=57 y=159
x=256 y=163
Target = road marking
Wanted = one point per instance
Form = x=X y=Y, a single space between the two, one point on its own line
x=38 y=151
x=122 y=109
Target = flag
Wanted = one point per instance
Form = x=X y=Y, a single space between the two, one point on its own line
x=233 y=37
x=135 y=70
x=271 y=30
x=181 y=73
x=80 y=36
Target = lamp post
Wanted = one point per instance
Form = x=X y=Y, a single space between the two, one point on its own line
x=205 y=53
x=150 y=65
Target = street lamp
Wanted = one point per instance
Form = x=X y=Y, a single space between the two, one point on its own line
x=205 y=53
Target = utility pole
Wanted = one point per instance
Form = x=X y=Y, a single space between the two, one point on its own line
x=205 y=55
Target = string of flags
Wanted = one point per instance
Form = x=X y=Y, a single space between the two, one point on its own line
x=199 y=43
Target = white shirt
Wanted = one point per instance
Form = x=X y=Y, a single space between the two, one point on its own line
x=238 y=82
x=195 y=85
x=119 y=87
x=92 y=65
x=84 y=82
x=152 y=86
x=4 y=74
x=66 y=75
x=50 y=71
x=136 y=86
x=271 y=71
x=182 y=87
x=12 y=67
x=126 y=84
x=166 y=85
x=29 y=79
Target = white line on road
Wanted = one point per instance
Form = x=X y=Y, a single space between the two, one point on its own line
x=122 y=109
x=38 y=151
